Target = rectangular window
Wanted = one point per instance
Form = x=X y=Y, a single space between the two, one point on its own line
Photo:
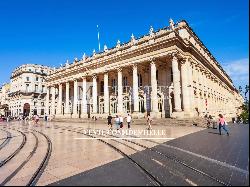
x=42 y=89
x=36 y=88
x=27 y=87
x=27 y=79
x=37 y=78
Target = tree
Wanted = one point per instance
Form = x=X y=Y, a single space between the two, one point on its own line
x=244 y=116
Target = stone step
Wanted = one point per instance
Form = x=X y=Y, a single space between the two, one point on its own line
x=201 y=122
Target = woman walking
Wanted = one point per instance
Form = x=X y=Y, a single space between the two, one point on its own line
x=222 y=123
x=149 y=121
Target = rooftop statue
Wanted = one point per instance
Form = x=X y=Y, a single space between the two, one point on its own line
x=133 y=38
x=67 y=63
x=118 y=43
x=75 y=60
x=151 y=31
x=105 y=48
x=84 y=56
x=171 y=23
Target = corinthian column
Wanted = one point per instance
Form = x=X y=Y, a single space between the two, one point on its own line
x=47 y=101
x=75 y=99
x=176 y=81
x=120 y=97
x=53 y=100
x=84 y=98
x=185 y=84
x=135 y=89
x=67 y=112
x=106 y=93
x=154 y=97
x=59 y=106
x=191 y=88
x=94 y=94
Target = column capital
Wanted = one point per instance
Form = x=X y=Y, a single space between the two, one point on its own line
x=174 y=55
x=119 y=69
x=94 y=76
x=134 y=65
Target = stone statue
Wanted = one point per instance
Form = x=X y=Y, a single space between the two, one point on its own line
x=94 y=53
x=76 y=60
x=67 y=63
x=105 y=48
x=133 y=38
x=118 y=43
x=84 y=56
x=151 y=31
x=171 y=23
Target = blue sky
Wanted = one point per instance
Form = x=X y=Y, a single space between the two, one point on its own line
x=49 y=32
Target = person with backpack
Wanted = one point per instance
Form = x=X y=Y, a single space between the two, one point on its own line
x=222 y=124
x=117 y=122
x=109 y=121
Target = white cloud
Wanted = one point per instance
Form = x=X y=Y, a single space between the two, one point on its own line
x=238 y=70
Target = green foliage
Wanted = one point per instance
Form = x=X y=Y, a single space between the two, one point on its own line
x=244 y=116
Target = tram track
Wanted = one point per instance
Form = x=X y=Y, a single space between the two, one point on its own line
x=153 y=179
x=172 y=158
x=6 y=140
x=39 y=171
x=11 y=156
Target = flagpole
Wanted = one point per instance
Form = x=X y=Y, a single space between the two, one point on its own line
x=98 y=36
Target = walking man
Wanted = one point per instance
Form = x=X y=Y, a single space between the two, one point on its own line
x=129 y=118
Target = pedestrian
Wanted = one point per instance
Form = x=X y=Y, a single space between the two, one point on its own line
x=121 y=122
x=109 y=121
x=36 y=119
x=149 y=121
x=46 y=117
x=117 y=122
x=222 y=123
x=129 y=118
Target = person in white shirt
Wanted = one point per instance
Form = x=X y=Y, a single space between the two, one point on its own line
x=129 y=118
x=121 y=121
x=117 y=122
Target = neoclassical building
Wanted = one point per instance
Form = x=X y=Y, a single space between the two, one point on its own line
x=28 y=90
x=4 y=100
x=167 y=73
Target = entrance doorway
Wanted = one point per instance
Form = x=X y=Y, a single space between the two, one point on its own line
x=26 y=109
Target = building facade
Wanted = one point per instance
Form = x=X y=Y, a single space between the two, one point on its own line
x=4 y=100
x=167 y=73
x=28 y=90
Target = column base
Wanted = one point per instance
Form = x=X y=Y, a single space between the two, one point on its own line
x=156 y=115
x=84 y=116
x=59 y=116
x=138 y=115
x=75 y=116
x=67 y=116
x=178 y=114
